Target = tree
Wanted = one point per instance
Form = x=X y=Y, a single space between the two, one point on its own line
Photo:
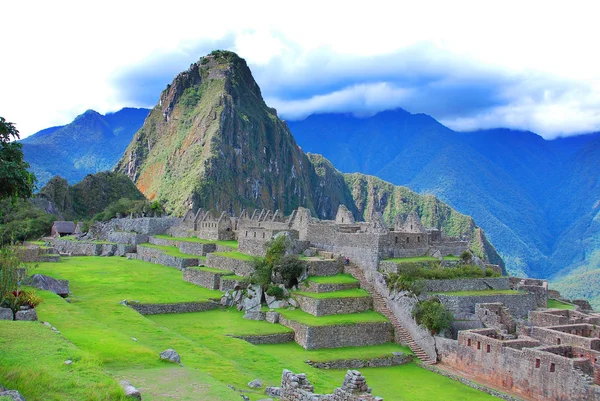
x=15 y=180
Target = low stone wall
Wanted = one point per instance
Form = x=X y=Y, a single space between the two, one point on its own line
x=157 y=256
x=298 y=388
x=459 y=325
x=279 y=338
x=130 y=238
x=238 y=266
x=466 y=284
x=392 y=360
x=182 y=307
x=206 y=279
x=327 y=267
x=146 y=225
x=190 y=248
x=325 y=287
x=77 y=248
x=333 y=306
x=228 y=284
x=518 y=304
x=350 y=335
x=124 y=249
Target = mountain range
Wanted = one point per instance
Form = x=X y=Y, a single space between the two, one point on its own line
x=212 y=140
x=91 y=143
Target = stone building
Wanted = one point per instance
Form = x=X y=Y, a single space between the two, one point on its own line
x=62 y=228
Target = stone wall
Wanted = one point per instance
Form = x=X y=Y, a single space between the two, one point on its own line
x=392 y=360
x=146 y=225
x=187 y=247
x=561 y=317
x=351 y=335
x=77 y=248
x=401 y=305
x=333 y=306
x=326 y=287
x=122 y=237
x=158 y=256
x=563 y=335
x=324 y=267
x=531 y=372
x=279 y=338
x=206 y=279
x=238 y=266
x=182 y=307
x=466 y=284
x=518 y=304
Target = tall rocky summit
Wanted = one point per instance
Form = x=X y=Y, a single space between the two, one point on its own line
x=212 y=142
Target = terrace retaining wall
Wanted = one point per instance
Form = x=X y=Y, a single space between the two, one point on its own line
x=333 y=306
x=467 y=284
x=181 y=307
x=158 y=256
x=392 y=360
x=278 y=338
x=206 y=279
x=518 y=304
x=349 y=335
x=238 y=266
x=327 y=287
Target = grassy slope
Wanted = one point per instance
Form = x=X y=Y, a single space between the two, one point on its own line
x=353 y=293
x=310 y=320
x=99 y=325
x=32 y=361
x=337 y=279
x=553 y=303
x=234 y=255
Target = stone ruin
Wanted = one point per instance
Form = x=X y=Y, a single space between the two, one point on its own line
x=296 y=387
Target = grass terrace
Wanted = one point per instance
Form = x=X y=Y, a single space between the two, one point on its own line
x=337 y=279
x=333 y=354
x=174 y=251
x=212 y=270
x=234 y=255
x=482 y=293
x=556 y=304
x=72 y=238
x=231 y=244
x=38 y=243
x=418 y=259
x=300 y=316
x=353 y=293
x=235 y=277
x=100 y=331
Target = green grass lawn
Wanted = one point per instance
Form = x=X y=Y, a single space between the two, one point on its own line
x=32 y=361
x=330 y=320
x=293 y=350
x=174 y=251
x=478 y=293
x=556 y=304
x=337 y=279
x=234 y=255
x=100 y=327
x=212 y=270
x=230 y=244
x=39 y=243
x=419 y=259
x=353 y=293
x=235 y=277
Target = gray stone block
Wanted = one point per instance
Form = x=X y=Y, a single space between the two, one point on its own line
x=29 y=315
x=6 y=314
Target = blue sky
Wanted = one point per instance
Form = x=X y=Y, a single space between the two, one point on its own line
x=470 y=64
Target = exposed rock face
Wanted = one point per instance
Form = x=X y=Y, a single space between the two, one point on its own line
x=212 y=142
x=6 y=314
x=29 y=314
x=170 y=355
x=59 y=287
x=12 y=394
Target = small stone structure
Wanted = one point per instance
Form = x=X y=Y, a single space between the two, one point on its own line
x=296 y=387
x=62 y=228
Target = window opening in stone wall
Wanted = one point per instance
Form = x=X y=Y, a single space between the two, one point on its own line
x=537 y=362
x=468 y=342
x=246 y=233
x=255 y=235
x=558 y=341
x=411 y=226
x=418 y=239
x=407 y=240
x=488 y=348
x=396 y=240
x=478 y=344
x=552 y=367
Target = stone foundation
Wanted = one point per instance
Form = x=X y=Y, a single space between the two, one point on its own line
x=518 y=304
x=279 y=338
x=324 y=287
x=237 y=266
x=333 y=306
x=392 y=360
x=157 y=256
x=327 y=267
x=298 y=388
x=350 y=335
x=182 y=307
x=206 y=279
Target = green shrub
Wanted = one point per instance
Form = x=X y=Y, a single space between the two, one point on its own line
x=262 y=273
x=19 y=298
x=433 y=315
x=276 y=292
x=289 y=268
x=11 y=271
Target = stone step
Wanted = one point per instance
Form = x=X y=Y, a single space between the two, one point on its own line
x=380 y=305
x=317 y=305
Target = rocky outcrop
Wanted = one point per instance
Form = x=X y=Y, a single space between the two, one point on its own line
x=43 y=282
x=170 y=355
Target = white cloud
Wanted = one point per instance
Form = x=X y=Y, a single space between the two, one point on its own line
x=60 y=57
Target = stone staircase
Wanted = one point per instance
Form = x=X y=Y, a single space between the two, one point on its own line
x=380 y=305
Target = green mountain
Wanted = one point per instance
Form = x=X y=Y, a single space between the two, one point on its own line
x=86 y=198
x=536 y=199
x=91 y=143
x=212 y=142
